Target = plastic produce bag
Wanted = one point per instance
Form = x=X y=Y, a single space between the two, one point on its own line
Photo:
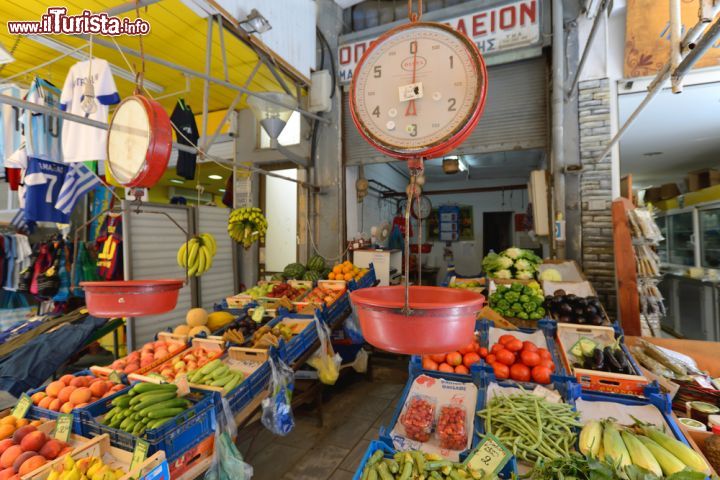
x=325 y=360
x=277 y=413
x=227 y=462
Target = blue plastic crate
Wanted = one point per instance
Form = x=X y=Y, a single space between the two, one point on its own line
x=339 y=309
x=102 y=405
x=175 y=437
x=413 y=374
x=368 y=280
x=372 y=448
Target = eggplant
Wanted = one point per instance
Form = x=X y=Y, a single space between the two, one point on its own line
x=596 y=320
x=570 y=297
x=565 y=319
x=622 y=360
x=598 y=360
x=588 y=363
x=612 y=361
x=559 y=292
x=566 y=309
x=581 y=302
x=579 y=311
x=590 y=310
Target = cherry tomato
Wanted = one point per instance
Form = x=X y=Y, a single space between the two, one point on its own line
x=491 y=359
x=514 y=345
x=529 y=346
x=483 y=352
x=531 y=359
x=506 y=338
x=541 y=374
x=502 y=372
x=520 y=373
x=548 y=364
x=451 y=428
x=505 y=357
x=418 y=419
x=544 y=353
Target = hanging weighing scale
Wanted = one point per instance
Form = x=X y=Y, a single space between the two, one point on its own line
x=417 y=92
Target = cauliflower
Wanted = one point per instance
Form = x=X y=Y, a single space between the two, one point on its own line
x=524 y=265
x=503 y=274
x=524 y=275
x=513 y=252
x=504 y=262
x=551 y=275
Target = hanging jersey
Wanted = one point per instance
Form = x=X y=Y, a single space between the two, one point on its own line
x=186 y=133
x=80 y=142
x=43 y=181
x=109 y=246
x=42 y=131
x=10 y=124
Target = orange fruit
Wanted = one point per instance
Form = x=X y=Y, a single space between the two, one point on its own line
x=6 y=431
x=337 y=269
x=9 y=420
x=331 y=275
x=347 y=277
x=22 y=422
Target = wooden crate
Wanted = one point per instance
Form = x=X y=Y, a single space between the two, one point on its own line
x=182 y=340
x=111 y=456
x=75 y=441
x=245 y=360
x=297 y=325
x=569 y=269
x=213 y=344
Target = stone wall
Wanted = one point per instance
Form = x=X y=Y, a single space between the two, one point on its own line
x=595 y=190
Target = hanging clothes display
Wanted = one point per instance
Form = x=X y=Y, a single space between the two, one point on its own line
x=81 y=143
x=109 y=246
x=186 y=133
x=101 y=201
x=10 y=124
x=43 y=181
x=43 y=131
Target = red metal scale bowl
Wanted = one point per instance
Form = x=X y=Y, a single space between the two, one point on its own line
x=442 y=319
x=131 y=298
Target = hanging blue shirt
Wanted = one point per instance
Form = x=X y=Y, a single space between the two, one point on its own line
x=43 y=182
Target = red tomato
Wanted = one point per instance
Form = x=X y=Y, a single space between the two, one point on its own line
x=483 y=352
x=548 y=364
x=467 y=348
x=544 y=353
x=520 y=373
x=454 y=359
x=429 y=364
x=502 y=372
x=470 y=359
x=514 y=345
x=541 y=374
x=438 y=357
x=476 y=346
x=505 y=357
x=491 y=358
x=444 y=367
x=531 y=359
x=462 y=369
x=529 y=346
x=506 y=338
x=496 y=347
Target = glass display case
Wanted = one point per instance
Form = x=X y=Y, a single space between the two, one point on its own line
x=680 y=238
x=710 y=237
x=662 y=249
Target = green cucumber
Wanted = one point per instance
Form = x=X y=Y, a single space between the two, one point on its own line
x=126 y=423
x=222 y=381
x=138 y=426
x=220 y=372
x=121 y=401
x=172 y=403
x=155 y=423
x=153 y=400
x=140 y=397
x=165 y=412
x=193 y=375
x=147 y=387
x=232 y=384
x=111 y=413
x=209 y=367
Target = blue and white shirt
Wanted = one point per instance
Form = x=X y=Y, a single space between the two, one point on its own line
x=10 y=124
x=43 y=181
x=43 y=131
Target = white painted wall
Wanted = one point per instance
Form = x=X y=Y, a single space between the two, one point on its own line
x=281 y=210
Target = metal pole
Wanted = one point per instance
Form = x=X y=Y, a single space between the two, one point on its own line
x=675 y=42
x=586 y=50
x=705 y=44
x=193 y=73
x=558 y=114
x=42 y=65
x=128 y=7
x=222 y=48
x=206 y=83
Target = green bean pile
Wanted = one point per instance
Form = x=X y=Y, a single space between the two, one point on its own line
x=531 y=427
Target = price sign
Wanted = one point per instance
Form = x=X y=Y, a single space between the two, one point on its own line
x=489 y=457
x=114 y=377
x=139 y=453
x=63 y=427
x=183 y=387
x=22 y=407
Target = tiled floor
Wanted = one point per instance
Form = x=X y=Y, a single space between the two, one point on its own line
x=354 y=409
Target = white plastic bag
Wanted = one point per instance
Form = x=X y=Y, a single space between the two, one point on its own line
x=325 y=360
x=227 y=463
x=277 y=413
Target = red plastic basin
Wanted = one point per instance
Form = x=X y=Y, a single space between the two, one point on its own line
x=442 y=319
x=131 y=298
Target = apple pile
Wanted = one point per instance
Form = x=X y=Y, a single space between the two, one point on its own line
x=455 y=362
x=149 y=353
x=27 y=450
x=71 y=392
x=186 y=362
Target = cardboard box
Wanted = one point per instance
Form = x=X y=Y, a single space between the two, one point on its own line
x=653 y=195
x=700 y=179
x=668 y=191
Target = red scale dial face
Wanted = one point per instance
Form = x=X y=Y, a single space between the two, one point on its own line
x=418 y=91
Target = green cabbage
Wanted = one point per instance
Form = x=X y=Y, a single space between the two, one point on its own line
x=512 y=252
x=525 y=275
x=503 y=274
x=524 y=265
x=551 y=275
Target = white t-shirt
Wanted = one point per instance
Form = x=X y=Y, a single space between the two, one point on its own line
x=10 y=123
x=82 y=143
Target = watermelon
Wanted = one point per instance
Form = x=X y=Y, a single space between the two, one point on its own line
x=311 y=275
x=294 y=270
x=278 y=277
x=316 y=263
x=325 y=273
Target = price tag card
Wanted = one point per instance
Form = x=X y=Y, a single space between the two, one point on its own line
x=139 y=454
x=183 y=387
x=63 y=427
x=489 y=457
x=22 y=407
x=114 y=377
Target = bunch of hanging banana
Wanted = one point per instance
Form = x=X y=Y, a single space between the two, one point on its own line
x=247 y=225
x=197 y=254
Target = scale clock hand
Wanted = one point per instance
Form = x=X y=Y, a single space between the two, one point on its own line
x=410 y=110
